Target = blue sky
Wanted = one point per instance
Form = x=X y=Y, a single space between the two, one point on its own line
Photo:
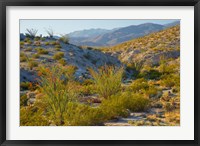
x=67 y=26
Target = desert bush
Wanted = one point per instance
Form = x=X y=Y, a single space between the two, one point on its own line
x=29 y=42
x=64 y=39
x=23 y=57
x=26 y=86
x=36 y=38
x=82 y=115
x=21 y=42
x=46 y=43
x=170 y=80
x=53 y=43
x=62 y=61
x=152 y=74
x=107 y=80
x=87 y=89
x=142 y=86
x=28 y=49
x=139 y=84
x=31 y=33
x=58 y=91
x=43 y=39
x=36 y=55
x=23 y=100
x=41 y=51
x=27 y=39
x=32 y=64
x=119 y=104
x=32 y=116
x=57 y=49
x=58 y=55
x=58 y=46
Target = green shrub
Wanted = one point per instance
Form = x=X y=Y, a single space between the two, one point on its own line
x=58 y=46
x=139 y=84
x=62 y=62
x=26 y=39
x=32 y=64
x=57 y=49
x=22 y=43
x=170 y=80
x=119 y=104
x=82 y=115
x=23 y=57
x=23 y=100
x=58 y=91
x=43 y=39
x=53 y=43
x=46 y=43
x=29 y=42
x=87 y=89
x=151 y=74
x=41 y=51
x=32 y=116
x=36 y=55
x=36 y=38
x=24 y=85
x=58 y=55
x=28 y=49
x=107 y=80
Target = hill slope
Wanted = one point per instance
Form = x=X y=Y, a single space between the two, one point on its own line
x=149 y=48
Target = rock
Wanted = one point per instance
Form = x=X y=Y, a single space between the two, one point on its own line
x=23 y=93
x=31 y=101
x=31 y=95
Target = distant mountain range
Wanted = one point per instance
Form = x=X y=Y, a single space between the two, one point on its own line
x=103 y=37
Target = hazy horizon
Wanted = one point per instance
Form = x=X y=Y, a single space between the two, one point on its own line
x=68 y=26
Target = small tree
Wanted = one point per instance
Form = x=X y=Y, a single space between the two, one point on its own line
x=31 y=32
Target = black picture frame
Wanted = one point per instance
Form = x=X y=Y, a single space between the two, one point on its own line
x=5 y=3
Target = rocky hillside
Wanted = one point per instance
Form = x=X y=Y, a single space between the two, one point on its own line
x=150 y=48
x=33 y=53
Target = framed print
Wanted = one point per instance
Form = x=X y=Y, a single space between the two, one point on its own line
x=99 y=72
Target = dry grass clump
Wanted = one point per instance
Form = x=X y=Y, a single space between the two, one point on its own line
x=58 y=55
x=29 y=49
x=41 y=51
x=23 y=57
x=36 y=55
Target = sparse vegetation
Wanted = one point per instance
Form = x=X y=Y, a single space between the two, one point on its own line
x=138 y=79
